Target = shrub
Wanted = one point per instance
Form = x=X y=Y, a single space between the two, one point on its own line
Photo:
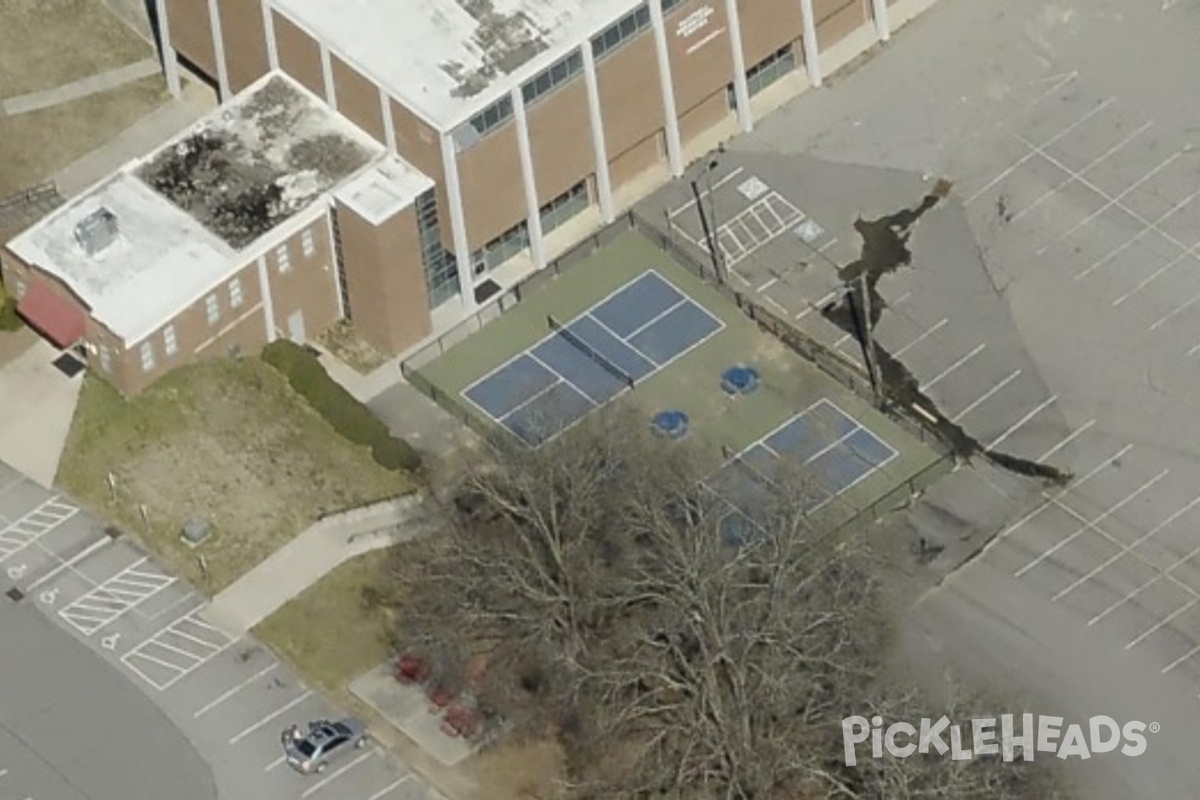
x=338 y=407
x=9 y=321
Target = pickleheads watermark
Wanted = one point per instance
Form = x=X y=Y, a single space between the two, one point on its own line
x=981 y=737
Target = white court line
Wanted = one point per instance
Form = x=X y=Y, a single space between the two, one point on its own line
x=1054 y=498
x=1120 y=196
x=929 y=332
x=953 y=367
x=1183 y=609
x=1021 y=161
x=704 y=192
x=389 y=788
x=273 y=715
x=1091 y=524
x=1022 y=421
x=1125 y=550
x=316 y=787
x=1086 y=168
x=234 y=690
x=984 y=397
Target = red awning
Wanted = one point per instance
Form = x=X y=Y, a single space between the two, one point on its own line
x=55 y=317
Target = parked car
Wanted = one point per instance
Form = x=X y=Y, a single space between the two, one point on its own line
x=324 y=741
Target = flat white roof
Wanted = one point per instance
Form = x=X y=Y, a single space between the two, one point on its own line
x=196 y=211
x=161 y=259
x=388 y=187
x=448 y=59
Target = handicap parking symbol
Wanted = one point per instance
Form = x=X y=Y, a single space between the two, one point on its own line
x=17 y=571
x=110 y=642
x=49 y=597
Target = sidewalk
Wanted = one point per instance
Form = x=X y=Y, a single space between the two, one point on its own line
x=310 y=556
x=40 y=403
x=84 y=87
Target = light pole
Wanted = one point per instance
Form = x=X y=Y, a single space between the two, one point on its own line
x=708 y=221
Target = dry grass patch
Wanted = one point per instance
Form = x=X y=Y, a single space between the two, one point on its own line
x=533 y=771
x=331 y=632
x=344 y=342
x=38 y=144
x=224 y=441
x=46 y=43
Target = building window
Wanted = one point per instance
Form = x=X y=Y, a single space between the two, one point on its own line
x=621 y=31
x=20 y=288
x=669 y=5
x=105 y=358
x=483 y=123
x=170 y=345
x=147 y=353
x=500 y=249
x=766 y=72
x=283 y=259
x=441 y=269
x=307 y=244
x=212 y=309
x=235 y=293
x=563 y=207
x=556 y=74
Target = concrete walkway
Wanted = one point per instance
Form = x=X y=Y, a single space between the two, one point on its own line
x=84 y=87
x=39 y=403
x=310 y=556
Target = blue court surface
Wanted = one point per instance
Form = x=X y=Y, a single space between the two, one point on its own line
x=625 y=338
x=823 y=449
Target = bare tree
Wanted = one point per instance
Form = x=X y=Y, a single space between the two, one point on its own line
x=681 y=642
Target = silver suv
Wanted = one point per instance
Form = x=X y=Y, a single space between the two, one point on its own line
x=324 y=741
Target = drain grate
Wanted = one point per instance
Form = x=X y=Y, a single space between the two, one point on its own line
x=15 y=594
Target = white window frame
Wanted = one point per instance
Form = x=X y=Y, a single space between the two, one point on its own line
x=105 y=358
x=308 y=242
x=212 y=309
x=170 y=340
x=283 y=259
x=146 y=351
x=236 y=297
x=20 y=288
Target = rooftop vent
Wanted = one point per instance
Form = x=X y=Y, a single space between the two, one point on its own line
x=97 y=231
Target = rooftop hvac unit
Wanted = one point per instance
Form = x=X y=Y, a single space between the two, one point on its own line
x=97 y=231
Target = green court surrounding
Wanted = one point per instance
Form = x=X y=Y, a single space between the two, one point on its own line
x=720 y=424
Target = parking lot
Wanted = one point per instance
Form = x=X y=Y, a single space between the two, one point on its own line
x=229 y=696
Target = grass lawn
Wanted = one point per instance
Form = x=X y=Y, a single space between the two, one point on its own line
x=329 y=632
x=225 y=441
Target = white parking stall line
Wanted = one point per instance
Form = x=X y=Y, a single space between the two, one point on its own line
x=277 y=762
x=1125 y=550
x=925 y=335
x=390 y=787
x=1149 y=227
x=145 y=651
x=1051 y=500
x=226 y=695
x=35 y=524
x=937 y=378
x=985 y=396
x=1183 y=609
x=273 y=715
x=316 y=787
x=1034 y=150
x=71 y=562
x=1086 y=168
x=778 y=306
x=768 y=284
x=116 y=596
x=704 y=192
x=1176 y=311
x=1070 y=438
x=1120 y=196
x=1163 y=574
x=1016 y=425
x=1090 y=525
x=1180 y=660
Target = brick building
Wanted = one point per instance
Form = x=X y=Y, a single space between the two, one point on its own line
x=501 y=131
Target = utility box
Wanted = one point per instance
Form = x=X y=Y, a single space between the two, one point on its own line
x=195 y=531
x=97 y=231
